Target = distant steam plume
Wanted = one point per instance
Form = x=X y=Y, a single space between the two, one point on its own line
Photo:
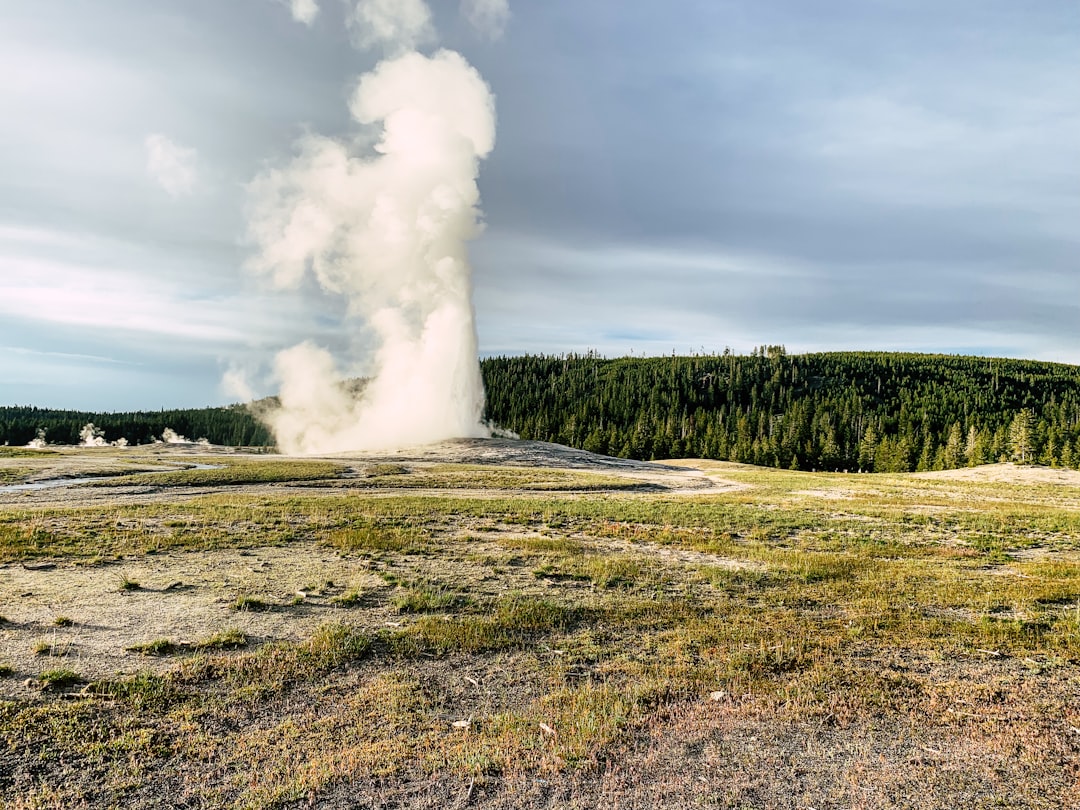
x=170 y=436
x=91 y=436
x=383 y=220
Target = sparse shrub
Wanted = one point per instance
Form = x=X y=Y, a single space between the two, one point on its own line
x=250 y=603
x=63 y=621
x=43 y=648
x=127 y=584
x=6 y=671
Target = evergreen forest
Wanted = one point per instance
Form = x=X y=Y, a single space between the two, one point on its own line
x=869 y=411
x=879 y=412
x=233 y=425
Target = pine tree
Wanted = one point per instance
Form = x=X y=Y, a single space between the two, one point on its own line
x=1020 y=437
x=954 y=454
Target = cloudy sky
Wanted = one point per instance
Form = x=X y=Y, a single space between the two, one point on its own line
x=826 y=174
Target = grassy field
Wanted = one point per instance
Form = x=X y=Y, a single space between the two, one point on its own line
x=547 y=639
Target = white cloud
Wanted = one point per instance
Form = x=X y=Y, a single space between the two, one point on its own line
x=489 y=17
x=56 y=292
x=304 y=11
x=395 y=25
x=112 y=288
x=170 y=165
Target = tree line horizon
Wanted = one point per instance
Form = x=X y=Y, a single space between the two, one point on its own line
x=825 y=411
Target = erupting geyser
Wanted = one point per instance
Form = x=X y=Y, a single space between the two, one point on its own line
x=383 y=219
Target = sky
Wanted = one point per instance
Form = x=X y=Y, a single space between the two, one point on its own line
x=667 y=177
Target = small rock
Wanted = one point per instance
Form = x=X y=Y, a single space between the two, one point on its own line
x=39 y=566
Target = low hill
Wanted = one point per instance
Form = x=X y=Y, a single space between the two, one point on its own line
x=827 y=411
x=872 y=411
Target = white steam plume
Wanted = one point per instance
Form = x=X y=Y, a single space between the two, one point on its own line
x=38 y=442
x=489 y=17
x=91 y=436
x=394 y=25
x=387 y=229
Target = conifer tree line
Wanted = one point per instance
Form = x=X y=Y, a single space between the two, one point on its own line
x=233 y=425
x=875 y=412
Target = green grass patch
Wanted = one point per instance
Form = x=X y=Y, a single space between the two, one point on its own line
x=24 y=452
x=59 y=679
x=233 y=472
x=512 y=623
x=15 y=475
x=376 y=539
x=429 y=598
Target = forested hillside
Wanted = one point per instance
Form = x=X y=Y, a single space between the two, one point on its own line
x=830 y=411
x=833 y=411
x=228 y=426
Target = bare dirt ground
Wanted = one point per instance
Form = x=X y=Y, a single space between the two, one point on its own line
x=183 y=596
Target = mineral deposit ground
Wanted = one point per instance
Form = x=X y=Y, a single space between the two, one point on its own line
x=497 y=623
